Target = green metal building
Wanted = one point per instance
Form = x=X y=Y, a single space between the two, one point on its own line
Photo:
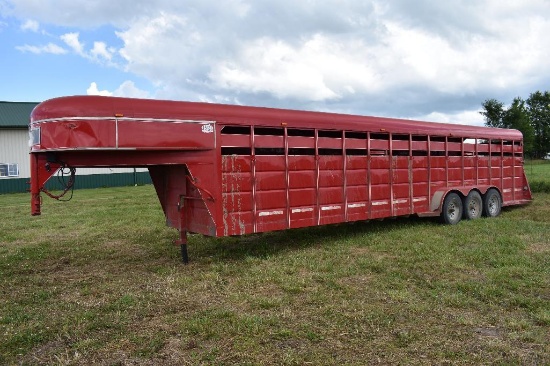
x=15 y=163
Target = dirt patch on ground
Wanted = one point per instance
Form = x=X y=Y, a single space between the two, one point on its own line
x=359 y=281
x=493 y=332
x=539 y=248
x=53 y=352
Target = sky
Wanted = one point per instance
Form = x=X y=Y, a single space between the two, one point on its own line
x=423 y=59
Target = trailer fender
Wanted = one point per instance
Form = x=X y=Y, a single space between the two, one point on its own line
x=437 y=200
x=439 y=196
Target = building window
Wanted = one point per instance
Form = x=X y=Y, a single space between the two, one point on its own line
x=9 y=170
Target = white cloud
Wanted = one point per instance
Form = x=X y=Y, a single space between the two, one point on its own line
x=72 y=40
x=30 y=25
x=126 y=89
x=373 y=62
x=318 y=69
x=431 y=59
x=164 y=42
x=100 y=53
x=470 y=117
x=79 y=13
x=93 y=90
x=100 y=50
x=274 y=67
x=49 y=48
x=130 y=90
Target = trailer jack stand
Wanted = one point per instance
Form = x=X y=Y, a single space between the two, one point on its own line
x=182 y=242
x=184 y=255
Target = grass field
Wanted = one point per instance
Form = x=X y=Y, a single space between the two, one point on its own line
x=538 y=170
x=96 y=280
x=538 y=173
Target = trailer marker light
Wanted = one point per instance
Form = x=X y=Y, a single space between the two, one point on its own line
x=119 y=115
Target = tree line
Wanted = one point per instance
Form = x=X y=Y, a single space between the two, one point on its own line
x=530 y=116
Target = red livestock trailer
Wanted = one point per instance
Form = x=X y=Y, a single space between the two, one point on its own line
x=224 y=170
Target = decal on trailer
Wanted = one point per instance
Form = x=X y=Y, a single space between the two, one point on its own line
x=208 y=128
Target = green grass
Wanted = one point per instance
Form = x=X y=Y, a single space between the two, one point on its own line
x=538 y=174
x=96 y=280
x=538 y=170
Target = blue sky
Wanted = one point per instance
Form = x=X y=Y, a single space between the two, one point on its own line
x=32 y=72
x=425 y=59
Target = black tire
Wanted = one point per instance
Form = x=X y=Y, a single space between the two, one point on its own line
x=492 y=203
x=452 y=209
x=473 y=206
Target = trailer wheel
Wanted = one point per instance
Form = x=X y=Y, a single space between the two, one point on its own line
x=452 y=209
x=492 y=203
x=473 y=205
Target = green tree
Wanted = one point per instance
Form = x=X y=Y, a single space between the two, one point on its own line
x=516 y=117
x=539 y=115
x=493 y=110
